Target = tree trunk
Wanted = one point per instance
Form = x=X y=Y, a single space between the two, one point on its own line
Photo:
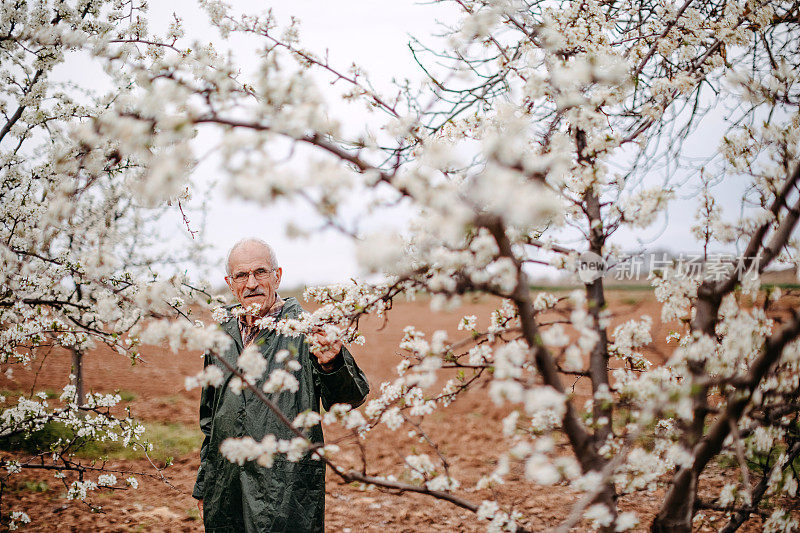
x=676 y=514
x=609 y=498
x=77 y=371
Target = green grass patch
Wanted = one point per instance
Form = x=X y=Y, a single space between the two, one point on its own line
x=168 y=440
x=127 y=395
x=8 y=393
x=172 y=399
x=726 y=461
x=34 y=486
x=173 y=440
x=38 y=441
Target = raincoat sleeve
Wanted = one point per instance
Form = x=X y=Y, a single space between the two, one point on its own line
x=346 y=383
x=206 y=417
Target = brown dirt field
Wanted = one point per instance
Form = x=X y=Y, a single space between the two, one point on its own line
x=464 y=432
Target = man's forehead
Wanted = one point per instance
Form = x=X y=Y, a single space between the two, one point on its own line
x=249 y=256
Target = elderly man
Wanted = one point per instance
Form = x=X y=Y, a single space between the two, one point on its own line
x=289 y=496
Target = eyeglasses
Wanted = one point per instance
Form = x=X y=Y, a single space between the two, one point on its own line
x=260 y=274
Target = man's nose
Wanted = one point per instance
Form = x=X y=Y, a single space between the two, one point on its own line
x=252 y=283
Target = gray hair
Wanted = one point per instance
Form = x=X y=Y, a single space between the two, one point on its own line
x=273 y=260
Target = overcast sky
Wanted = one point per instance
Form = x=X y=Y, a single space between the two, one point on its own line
x=375 y=36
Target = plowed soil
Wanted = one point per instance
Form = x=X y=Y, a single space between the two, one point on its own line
x=466 y=432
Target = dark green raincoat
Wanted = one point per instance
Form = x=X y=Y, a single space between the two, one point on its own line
x=289 y=496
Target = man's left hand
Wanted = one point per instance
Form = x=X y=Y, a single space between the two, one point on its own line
x=327 y=352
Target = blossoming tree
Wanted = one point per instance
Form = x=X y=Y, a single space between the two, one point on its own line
x=540 y=121
x=79 y=262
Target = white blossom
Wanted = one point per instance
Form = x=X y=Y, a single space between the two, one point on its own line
x=252 y=363
x=78 y=489
x=106 y=480
x=18 y=518
x=599 y=515
x=279 y=381
x=210 y=376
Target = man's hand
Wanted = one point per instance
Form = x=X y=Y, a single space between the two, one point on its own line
x=327 y=351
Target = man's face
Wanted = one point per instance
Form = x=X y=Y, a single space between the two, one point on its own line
x=253 y=279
